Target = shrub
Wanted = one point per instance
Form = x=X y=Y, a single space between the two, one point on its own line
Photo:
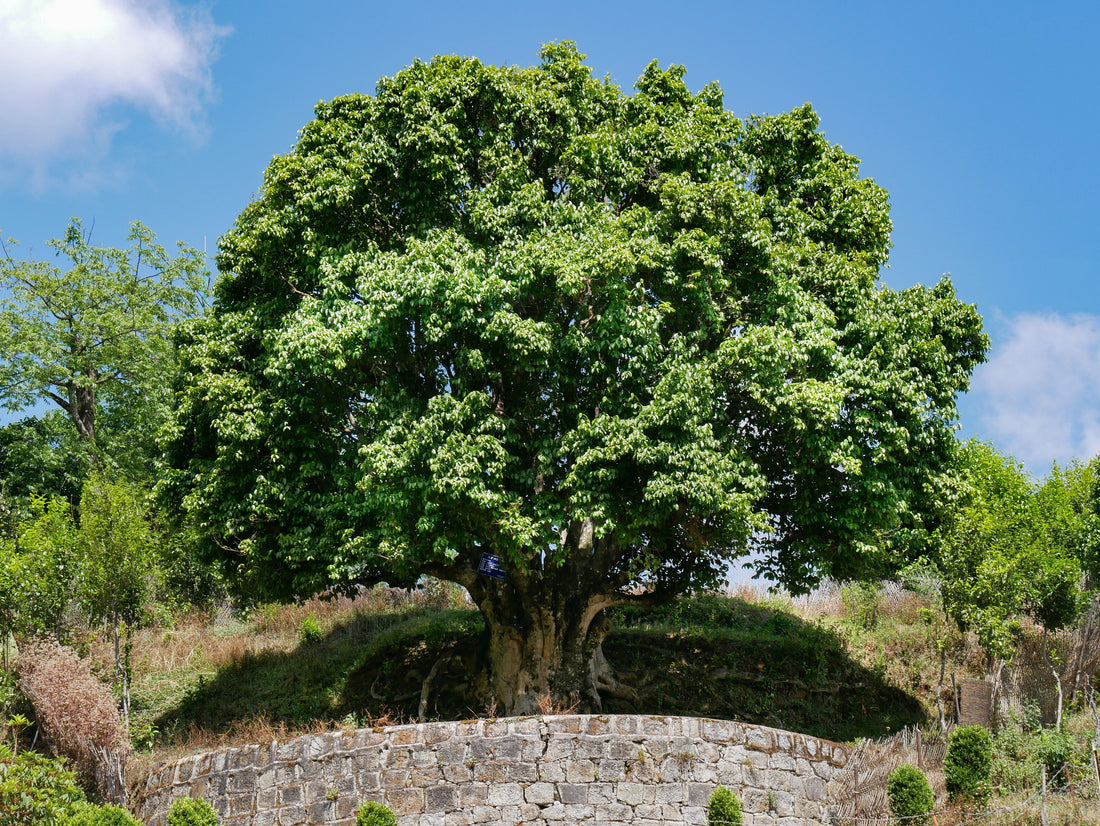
x=1055 y=751
x=77 y=713
x=88 y=815
x=910 y=795
x=724 y=808
x=309 y=631
x=374 y=814
x=968 y=763
x=35 y=789
x=189 y=811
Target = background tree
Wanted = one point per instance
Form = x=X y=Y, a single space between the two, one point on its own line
x=616 y=341
x=39 y=570
x=1014 y=548
x=94 y=337
x=118 y=570
x=40 y=457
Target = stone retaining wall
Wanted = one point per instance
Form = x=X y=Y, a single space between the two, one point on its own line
x=552 y=771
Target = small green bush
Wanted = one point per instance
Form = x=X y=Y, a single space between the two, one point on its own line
x=309 y=631
x=89 y=815
x=189 y=811
x=968 y=763
x=724 y=808
x=1055 y=751
x=911 y=797
x=374 y=814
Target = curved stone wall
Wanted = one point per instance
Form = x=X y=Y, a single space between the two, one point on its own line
x=557 y=770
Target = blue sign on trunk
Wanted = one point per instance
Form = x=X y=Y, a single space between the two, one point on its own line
x=491 y=566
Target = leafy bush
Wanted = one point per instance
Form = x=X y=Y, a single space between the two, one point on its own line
x=861 y=604
x=968 y=763
x=310 y=630
x=189 y=811
x=374 y=814
x=35 y=789
x=1056 y=752
x=724 y=808
x=910 y=795
x=89 y=815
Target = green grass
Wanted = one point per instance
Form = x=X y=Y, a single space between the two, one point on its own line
x=708 y=655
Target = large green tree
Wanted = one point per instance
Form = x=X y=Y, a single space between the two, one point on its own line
x=617 y=341
x=93 y=337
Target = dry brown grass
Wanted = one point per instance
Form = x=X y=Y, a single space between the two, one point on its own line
x=77 y=714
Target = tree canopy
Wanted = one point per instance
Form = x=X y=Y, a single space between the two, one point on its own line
x=93 y=338
x=1015 y=547
x=616 y=341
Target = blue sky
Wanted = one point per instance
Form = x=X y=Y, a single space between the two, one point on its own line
x=979 y=118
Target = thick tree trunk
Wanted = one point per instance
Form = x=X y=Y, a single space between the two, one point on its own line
x=544 y=626
x=545 y=661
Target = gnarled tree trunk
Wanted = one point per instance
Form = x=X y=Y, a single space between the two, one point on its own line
x=544 y=626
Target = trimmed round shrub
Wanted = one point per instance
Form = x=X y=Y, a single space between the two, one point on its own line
x=910 y=795
x=724 y=808
x=969 y=763
x=374 y=814
x=190 y=811
x=89 y=815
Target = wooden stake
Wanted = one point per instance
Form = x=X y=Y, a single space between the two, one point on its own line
x=1044 y=809
x=1096 y=768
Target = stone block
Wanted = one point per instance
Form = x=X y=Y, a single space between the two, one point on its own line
x=540 y=793
x=629 y=793
x=698 y=794
x=472 y=794
x=521 y=772
x=671 y=793
x=457 y=774
x=292 y=816
x=601 y=793
x=552 y=772
x=405 y=801
x=395 y=778
x=580 y=771
x=573 y=792
x=505 y=794
x=442 y=798
x=613 y=813
x=406 y=735
x=563 y=724
x=489 y=772
x=484 y=814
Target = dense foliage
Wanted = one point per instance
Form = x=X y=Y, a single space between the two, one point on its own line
x=615 y=341
x=371 y=813
x=190 y=811
x=92 y=338
x=968 y=764
x=35 y=789
x=723 y=808
x=1015 y=547
x=911 y=798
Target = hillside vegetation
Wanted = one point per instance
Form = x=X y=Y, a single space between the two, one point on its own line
x=843 y=665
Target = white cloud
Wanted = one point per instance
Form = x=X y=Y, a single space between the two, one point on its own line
x=1040 y=389
x=65 y=63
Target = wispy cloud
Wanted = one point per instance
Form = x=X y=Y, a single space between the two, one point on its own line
x=67 y=65
x=1041 y=389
